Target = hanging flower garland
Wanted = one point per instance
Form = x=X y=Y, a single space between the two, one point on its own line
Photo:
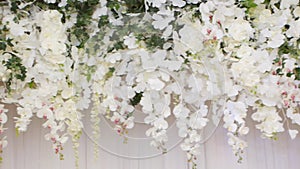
x=187 y=59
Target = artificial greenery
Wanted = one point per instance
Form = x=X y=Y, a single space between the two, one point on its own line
x=16 y=69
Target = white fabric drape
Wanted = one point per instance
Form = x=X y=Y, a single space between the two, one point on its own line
x=31 y=151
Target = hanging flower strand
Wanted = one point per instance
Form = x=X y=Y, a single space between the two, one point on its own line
x=194 y=61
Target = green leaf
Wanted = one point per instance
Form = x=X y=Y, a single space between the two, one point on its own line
x=248 y=4
x=297 y=73
x=8 y=41
x=113 y=4
x=2 y=46
x=32 y=84
x=155 y=41
x=135 y=6
x=18 y=71
x=17 y=132
x=136 y=99
x=103 y=21
x=110 y=73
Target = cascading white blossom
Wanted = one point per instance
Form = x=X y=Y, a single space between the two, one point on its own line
x=192 y=60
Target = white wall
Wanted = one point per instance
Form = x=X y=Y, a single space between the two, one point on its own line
x=31 y=151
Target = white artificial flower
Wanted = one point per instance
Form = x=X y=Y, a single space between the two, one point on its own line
x=52 y=36
x=117 y=118
x=182 y=128
x=159 y=136
x=243 y=130
x=3 y=118
x=100 y=11
x=197 y=121
x=59 y=114
x=129 y=123
x=130 y=41
x=240 y=30
x=293 y=133
x=296 y=11
x=206 y=10
x=245 y=73
x=179 y=3
x=224 y=2
x=192 y=1
x=44 y=113
x=269 y=92
x=156 y=3
x=181 y=111
x=191 y=149
x=24 y=118
x=229 y=122
x=146 y=102
x=295 y=117
x=231 y=89
x=238 y=110
x=67 y=92
x=236 y=143
x=212 y=31
x=264 y=62
x=50 y=1
x=276 y=39
x=293 y=30
x=3 y=143
x=194 y=137
x=160 y=123
x=270 y=121
x=191 y=37
x=15 y=29
x=289 y=63
x=113 y=58
x=287 y=3
x=244 y=51
x=153 y=61
x=162 y=19
x=259 y=1
x=125 y=107
x=62 y=3
x=181 y=78
x=156 y=84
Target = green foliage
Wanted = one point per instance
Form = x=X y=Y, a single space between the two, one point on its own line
x=288 y=49
x=113 y=4
x=154 y=41
x=135 y=6
x=248 y=4
x=4 y=41
x=294 y=52
x=103 y=21
x=85 y=11
x=17 y=70
x=14 y=5
x=110 y=73
x=32 y=84
x=297 y=73
x=136 y=99
x=267 y=2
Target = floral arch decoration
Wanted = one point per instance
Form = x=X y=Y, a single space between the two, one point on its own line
x=196 y=60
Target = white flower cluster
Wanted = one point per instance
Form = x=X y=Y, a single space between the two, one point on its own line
x=41 y=43
x=193 y=60
x=3 y=120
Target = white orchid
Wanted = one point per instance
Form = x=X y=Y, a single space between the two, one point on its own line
x=188 y=60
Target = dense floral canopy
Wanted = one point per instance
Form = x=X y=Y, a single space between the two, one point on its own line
x=196 y=60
